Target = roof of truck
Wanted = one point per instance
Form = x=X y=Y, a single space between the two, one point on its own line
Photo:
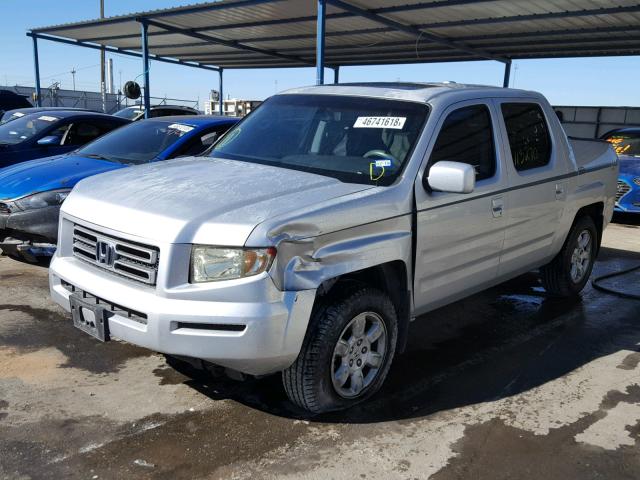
x=415 y=92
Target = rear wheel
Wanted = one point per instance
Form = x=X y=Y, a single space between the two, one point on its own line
x=347 y=351
x=569 y=271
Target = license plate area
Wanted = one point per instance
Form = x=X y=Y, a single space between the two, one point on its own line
x=90 y=317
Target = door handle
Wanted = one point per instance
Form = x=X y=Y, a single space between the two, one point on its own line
x=497 y=207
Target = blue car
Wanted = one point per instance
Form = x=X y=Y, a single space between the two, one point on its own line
x=626 y=142
x=31 y=192
x=17 y=113
x=51 y=132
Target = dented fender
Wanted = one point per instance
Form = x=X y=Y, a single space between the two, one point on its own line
x=305 y=263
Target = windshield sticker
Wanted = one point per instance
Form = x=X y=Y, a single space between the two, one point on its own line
x=380 y=122
x=18 y=114
x=383 y=163
x=181 y=128
x=48 y=118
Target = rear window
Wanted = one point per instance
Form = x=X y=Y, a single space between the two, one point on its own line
x=625 y=143
x=528 y=133
x=353 y=139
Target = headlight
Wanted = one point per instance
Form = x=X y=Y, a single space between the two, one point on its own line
x=43 y=199
x=636 y=180
x=210 y=264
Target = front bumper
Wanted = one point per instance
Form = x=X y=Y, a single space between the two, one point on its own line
x=246 y=325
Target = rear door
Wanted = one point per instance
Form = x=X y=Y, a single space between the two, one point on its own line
x=459 y=237
x=537 y=185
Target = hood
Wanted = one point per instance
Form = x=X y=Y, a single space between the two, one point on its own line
x=51 y=173
x=198 y=199
x=629 y=165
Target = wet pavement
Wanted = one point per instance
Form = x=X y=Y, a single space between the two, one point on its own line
x=505 y=384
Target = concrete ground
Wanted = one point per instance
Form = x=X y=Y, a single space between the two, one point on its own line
x=506 y=384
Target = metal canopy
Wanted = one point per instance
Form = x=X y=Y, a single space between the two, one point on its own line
x=283 y=33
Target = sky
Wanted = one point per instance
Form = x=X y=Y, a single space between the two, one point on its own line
x=580 y=81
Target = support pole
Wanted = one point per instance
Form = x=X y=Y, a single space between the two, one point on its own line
x=507 y=74
x=336 y=74
x=221 y=96
x=145 y=67
x=320 y=30
x=36 y=65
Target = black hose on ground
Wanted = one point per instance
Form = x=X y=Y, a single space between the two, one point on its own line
x=596 y=283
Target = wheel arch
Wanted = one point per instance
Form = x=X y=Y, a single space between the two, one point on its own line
x=391 y=278
x=596 y=212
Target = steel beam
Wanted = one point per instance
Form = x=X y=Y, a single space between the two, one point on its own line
x=320 y=37
x=120 y=51
x=336 y=74
x=144 y=27
x=221 y=95
x=36 y=71
x=221 y=41
x=507 y=74
x=417 y=32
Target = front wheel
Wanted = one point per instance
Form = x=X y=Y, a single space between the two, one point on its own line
x=347 y=351
x=569 y=271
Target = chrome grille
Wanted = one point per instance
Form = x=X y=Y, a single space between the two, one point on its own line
x=623 y=189
x=4 y=208
x=129 y=259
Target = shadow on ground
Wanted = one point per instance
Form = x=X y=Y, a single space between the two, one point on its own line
x=499 y=343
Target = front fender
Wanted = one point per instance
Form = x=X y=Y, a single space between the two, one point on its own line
x=307 y=263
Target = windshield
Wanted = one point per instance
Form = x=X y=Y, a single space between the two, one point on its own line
x=25 y=127
x=625 y=143
x=10 y=115
x=137 y=143
x=130 y=113
x=353 y=139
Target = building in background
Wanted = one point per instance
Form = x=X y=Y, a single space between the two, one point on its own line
x=233 y=107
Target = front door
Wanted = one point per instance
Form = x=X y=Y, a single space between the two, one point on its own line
x=459 y=237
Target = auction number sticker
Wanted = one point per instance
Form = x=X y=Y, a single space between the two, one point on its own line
x=47 y=118
x=380 y=122
x=181 y=128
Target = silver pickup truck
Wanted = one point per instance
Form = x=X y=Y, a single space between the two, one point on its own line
x=321 y=225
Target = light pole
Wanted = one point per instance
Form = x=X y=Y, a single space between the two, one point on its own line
x=73 y=74
x=102 y=73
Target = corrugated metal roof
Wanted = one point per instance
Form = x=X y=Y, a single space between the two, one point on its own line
x=282 y=33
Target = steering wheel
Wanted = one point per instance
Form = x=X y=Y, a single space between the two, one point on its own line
x=395 y=164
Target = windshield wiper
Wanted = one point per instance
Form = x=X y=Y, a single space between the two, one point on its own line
x=97 y=156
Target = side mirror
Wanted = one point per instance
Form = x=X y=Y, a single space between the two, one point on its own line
x=452 y=177
x=49 y=140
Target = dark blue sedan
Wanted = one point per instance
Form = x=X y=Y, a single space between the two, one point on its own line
x=51 y=132
x=626 y=143
x=31 y=192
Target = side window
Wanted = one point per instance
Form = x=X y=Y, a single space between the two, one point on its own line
x=85 y=131
x=200 y=143
x=528 y=133
x=466 y=136
x=59 y=132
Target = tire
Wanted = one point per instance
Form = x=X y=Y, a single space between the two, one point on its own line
x=310 y=382
x=560 y=277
